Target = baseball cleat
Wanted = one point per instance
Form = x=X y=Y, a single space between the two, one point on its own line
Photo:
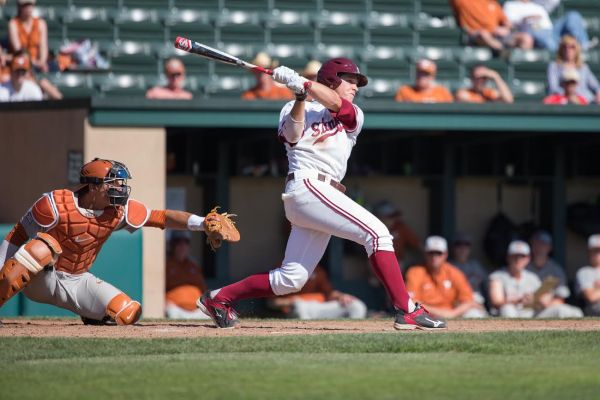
x=420 y=318
x=223 y=314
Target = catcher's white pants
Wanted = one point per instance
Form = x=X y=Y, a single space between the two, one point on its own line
x=84 y=294
x=317 y=211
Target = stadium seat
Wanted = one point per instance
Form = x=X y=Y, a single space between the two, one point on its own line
x=393 y=6
x=199 y=5
x=434 y=31
x=389 y=30
x=240 y=27
x=295 y=5
x=158 y=5
x=289 y=27
x=355 y=7
x=387 y=63
x=245 y=5
x=88 y=23
x=123 y=86
x=108 y=4
x=339 y=28
x=294 y=57
x=139 y=25
x=530 y=65
x=133 y=57
x=231 y=86
x=322 y=52
x=528 y=91
x=193 y=24
x=436 y=8
x=587 y=8
x=72 y=84
x=380 y=89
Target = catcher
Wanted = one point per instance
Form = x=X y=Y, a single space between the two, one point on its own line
x=49 y=252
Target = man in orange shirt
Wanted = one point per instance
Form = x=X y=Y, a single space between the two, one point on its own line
x=479 y=92
x=486 y=24
x=442 y=288
x=29 y=33
x=184 y=280
x=266 y=88
x=425 y=90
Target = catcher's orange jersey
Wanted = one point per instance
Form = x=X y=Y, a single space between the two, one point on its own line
x=80 y=232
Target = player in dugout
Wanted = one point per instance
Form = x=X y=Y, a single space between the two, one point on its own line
x=48 y=254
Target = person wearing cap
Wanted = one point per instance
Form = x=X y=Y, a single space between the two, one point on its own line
x=544 y=266
x=481 y=92
x=425 y=89
x=30 y=34
x=570 y=56
x=441 y=287
x=475 y=273
x=19 y=87
x=404 y=238
x=174 y=89
x=266 y=88
x=515 y=291
x=588 y=278
x=184 y=279
x=569 y=80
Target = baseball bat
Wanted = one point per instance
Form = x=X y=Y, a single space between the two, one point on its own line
x=203 y=50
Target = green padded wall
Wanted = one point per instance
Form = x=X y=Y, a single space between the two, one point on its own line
x=119 y=263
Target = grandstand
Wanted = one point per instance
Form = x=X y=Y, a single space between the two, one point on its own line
x=385 y=36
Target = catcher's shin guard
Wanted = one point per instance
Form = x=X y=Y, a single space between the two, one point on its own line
x=124 y=310
x=30 y=259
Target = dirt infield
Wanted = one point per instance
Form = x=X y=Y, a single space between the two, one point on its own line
x=254 y=327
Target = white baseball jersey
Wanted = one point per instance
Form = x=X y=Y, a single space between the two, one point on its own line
x=327 y=139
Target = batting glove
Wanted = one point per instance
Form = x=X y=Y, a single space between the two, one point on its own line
x=284 y=75
x=297 y=84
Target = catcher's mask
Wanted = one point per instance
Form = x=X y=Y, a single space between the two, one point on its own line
x=113 y=173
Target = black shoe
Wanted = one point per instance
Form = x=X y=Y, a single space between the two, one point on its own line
x=420 y=318
x=104 y=321
x=222 y=314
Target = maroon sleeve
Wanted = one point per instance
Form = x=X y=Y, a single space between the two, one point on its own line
x=346 y=115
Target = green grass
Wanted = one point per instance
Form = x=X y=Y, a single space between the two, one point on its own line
x=510 y=365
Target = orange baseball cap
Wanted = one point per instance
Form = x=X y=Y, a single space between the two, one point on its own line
x=427 y=66
x=20 y=62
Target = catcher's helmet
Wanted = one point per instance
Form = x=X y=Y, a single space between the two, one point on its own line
x=329 y=74
x=99 y=171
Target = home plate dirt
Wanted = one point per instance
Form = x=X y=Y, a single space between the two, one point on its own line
x=70 y=327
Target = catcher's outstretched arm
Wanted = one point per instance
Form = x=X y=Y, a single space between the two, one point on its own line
x=174 y=219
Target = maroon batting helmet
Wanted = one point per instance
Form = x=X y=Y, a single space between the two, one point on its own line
x=329 y=74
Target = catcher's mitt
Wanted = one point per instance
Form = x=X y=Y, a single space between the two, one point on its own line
x=219 y=227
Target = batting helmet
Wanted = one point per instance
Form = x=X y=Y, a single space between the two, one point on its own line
x=99 y=171
x=329 y=74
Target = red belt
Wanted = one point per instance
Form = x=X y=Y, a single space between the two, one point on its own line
x=322 y=178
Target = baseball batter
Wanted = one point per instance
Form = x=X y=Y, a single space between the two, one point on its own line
x=49 y=252
x=319 y=137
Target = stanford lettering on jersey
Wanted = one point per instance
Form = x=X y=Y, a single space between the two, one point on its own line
x=325 y=129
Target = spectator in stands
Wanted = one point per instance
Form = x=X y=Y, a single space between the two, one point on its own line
x=533 y=19
x=425 y=89
x=475 y=273
x=485 y=24
x=442 y=288
x=29 y=33
x=516 y=292
x=544 y=266
x=4 y=66
x=318 y=300
x=174 y=90
x=588 y=278
x=404 y=238
x=569 y=57
x=569 y=81
x=19 y=87
x=481 y=92
x=184 y=280
x=311 y=69
x=266 y=88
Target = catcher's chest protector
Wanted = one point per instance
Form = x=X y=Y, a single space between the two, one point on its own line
x=81 y=237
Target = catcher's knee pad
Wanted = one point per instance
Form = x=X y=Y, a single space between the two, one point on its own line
x=288 y=278
x=124 y=310
x=29 y=259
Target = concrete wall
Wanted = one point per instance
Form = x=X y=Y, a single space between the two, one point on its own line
x=34 y=145
x=143 y=150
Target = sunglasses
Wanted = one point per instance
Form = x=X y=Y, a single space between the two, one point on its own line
x=21 y=71
x=434 y=253
x=175 y=74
